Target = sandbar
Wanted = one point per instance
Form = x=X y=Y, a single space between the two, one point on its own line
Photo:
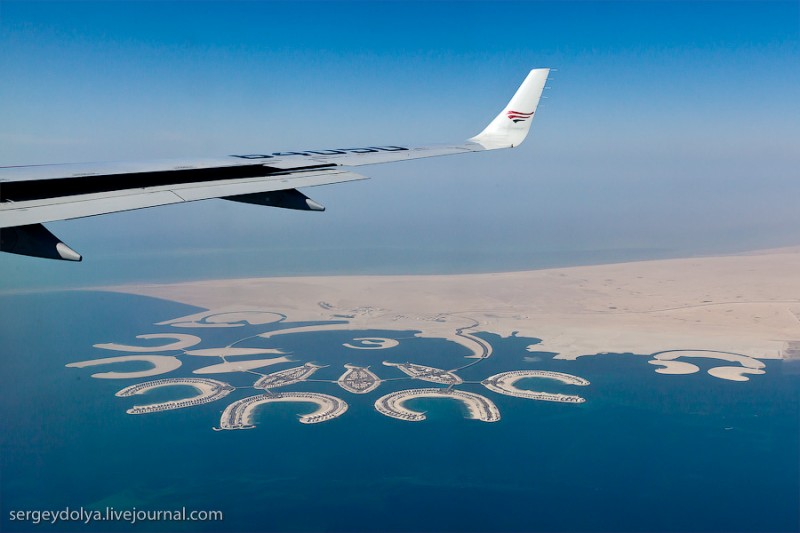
x=226 y=317
x=372 y=343
x=182 y=341
x=241 y=366
x=304 y=329
x=674 y=367
x=733 y=373
x=161 y=365
x=744 y=360
x=232 y=352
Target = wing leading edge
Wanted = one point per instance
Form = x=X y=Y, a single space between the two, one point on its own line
x=32 y=195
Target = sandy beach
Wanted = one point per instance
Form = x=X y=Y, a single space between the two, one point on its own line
x=745 y=304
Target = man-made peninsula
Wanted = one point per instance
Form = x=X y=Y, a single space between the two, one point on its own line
x=743 y=304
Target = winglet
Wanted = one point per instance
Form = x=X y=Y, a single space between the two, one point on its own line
x=511 y=126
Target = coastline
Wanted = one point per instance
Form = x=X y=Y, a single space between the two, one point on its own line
x=743 y=304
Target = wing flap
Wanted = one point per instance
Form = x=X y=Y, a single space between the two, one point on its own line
x=63 y=208
x=273 y=183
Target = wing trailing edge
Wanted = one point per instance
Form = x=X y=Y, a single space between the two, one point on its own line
x=90 y=204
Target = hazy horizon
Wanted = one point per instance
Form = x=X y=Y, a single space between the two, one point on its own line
x=670 y=129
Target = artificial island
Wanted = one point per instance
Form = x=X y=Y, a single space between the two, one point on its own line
x=358 y=380
x=427 y=373
x=286 y=377
x=503 y=383
x=209 y=390
x=732 y=311
x=239 y=415
x=394 y=404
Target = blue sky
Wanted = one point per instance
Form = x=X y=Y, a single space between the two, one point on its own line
x=670 y=129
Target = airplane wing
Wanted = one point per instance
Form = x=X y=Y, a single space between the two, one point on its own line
x=35 y=194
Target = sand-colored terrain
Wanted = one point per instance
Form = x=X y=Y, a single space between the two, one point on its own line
x=181 y=341
x=744 y=304
x=162 y=364
x=241 y=366
x=229 y=351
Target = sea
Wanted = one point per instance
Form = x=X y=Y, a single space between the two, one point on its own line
x=645 y=452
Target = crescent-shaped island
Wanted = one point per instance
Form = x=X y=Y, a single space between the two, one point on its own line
x=503 y=383
x=210 y=390
x=239 y=415
x=478 y=407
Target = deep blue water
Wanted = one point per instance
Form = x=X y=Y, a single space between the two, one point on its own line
x=646 y=452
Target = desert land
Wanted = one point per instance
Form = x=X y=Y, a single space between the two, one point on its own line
x=746 y=305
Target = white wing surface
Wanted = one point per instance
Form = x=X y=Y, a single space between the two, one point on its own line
x=32 y=195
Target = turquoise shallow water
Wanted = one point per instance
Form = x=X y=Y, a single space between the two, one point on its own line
x=646 y=452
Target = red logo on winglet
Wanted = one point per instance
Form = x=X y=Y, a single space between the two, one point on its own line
x=518 y=116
